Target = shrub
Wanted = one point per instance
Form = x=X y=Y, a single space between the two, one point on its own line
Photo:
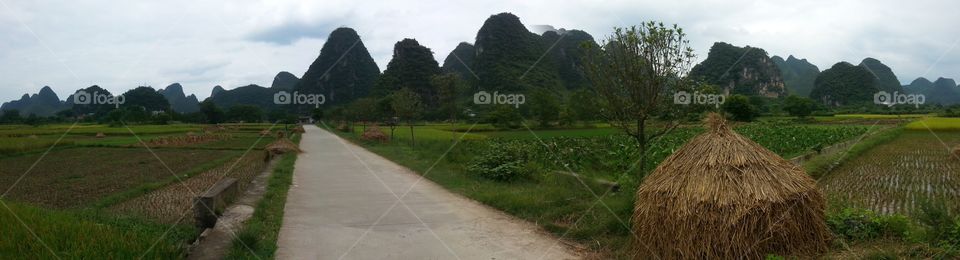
x=500 y=165
x=860 y=224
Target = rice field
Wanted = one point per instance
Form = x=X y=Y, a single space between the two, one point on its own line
x=935 y=124
x=170 y=203
x=77 y=177
x=895 y=177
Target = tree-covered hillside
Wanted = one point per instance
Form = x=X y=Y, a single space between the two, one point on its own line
x=798 y=74
x=747 y=71
x=845 y=84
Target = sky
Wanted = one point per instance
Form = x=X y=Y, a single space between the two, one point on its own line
x=119 y=45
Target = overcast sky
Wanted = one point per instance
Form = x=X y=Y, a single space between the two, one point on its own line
x=122 y=44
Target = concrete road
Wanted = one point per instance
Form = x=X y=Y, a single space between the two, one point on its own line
x=343 y=204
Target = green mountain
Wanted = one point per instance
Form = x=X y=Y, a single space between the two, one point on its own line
x=246 y=95
x=508 y=57
x=179 y=101
x=886 y=80
x=343 y=71
x=284 y=80
x=944 y=91
x=44 y=103
x=411 y=67
x=567 y=54
x=145 y=97
x=217 y=90
x=798 y=74
x=82 y=109
x=747 y=70
x=845 y=84
x=920 y=85
x=458 y=59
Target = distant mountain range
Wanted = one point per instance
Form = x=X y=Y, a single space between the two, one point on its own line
x=44 y=103
x=505 y=56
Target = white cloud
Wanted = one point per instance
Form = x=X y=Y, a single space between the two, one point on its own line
x=122 y=44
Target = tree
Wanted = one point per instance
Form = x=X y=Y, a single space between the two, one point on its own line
x=739 y=108
x=211 y=111
x=799 y=106
x=364 y=110
x=245 y=113
x=406 y=105
x=545 y=107
x=583 y=105
x=634 y=73
x=11 y=117
x=448 y=90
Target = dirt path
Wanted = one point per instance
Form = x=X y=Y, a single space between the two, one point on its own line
x=344 y=205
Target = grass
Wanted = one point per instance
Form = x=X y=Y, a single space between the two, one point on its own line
x=421 y=132
x=86 y=235
x=935 y=124
x=551 y=133
x=881 y=116
x=262 y=230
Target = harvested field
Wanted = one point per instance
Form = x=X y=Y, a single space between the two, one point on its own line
x=170 y=203
x=186 y=140
x=71 y=178
x=895 y=177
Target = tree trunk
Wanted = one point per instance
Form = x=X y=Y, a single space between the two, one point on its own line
x=413 y=142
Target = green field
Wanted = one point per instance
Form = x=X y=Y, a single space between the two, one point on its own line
x=935 y=124
x=562 y=204
x=110 y=197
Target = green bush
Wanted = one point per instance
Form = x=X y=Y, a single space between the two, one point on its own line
x=860 y=224
x=502 y=164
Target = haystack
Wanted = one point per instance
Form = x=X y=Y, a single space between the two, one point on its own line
x=101 y=135
x=281 y=146
x=373 y=133
x=265 y=132
x=722 y=196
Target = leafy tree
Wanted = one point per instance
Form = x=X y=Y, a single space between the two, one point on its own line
x=364 y=110
x=583 y=105
x=799 y=106
x=449 y=89
x=11 y=117
x=634 y=74
x=545 y=107
x=212 y=112
x=504 y=116
x=739 y=108
x=317 y=114
x=245 y=113
x=407 y=106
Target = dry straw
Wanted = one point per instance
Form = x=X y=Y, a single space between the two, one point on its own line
x=722 y=196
